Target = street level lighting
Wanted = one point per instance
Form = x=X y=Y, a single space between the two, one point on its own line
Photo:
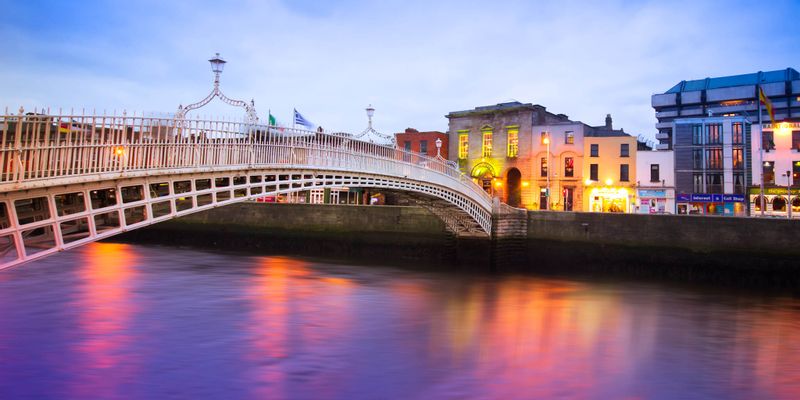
x=547 y=142
x=438 y=147
x=788 y=176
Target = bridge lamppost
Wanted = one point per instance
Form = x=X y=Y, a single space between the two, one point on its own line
x=373 y=136
x=217 y=65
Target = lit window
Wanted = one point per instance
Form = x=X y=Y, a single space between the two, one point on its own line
x=569 y=167
x=513 y=143
x=487 y=144
x=463 y=146
x=569 y=137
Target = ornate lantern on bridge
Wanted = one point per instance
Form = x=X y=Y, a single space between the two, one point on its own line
x=373 y=136
x=217 y=65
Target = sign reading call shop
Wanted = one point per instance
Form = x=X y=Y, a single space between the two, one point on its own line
x=711 y=204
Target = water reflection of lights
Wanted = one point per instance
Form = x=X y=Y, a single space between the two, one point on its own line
x=293 y=308
x=106 y=309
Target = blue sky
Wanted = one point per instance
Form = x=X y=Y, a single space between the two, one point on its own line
x=414 y=61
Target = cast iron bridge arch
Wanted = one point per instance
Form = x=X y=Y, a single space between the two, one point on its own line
x=67 y=180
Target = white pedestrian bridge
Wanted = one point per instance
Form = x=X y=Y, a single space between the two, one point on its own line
x=67 y=180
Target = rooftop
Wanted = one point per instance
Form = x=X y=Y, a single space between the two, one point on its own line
x=781 y=75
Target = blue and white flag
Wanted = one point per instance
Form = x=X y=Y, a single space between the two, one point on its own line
x=300 y=120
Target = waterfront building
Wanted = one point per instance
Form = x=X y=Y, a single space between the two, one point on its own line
x=708 y=122
x=780 y=163
x=509 y=148
x=422 y=142
x=655 y=182
x=609 y=170
x=726 y=96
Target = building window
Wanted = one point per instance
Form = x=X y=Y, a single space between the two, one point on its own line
x=544 y=166
x=593 y=172
x=738 y=158
x=697 y=183
x=795 y=172
x=624 y=150
x=569 y=167
x=463 y=146
x=697 y=134
x=654 y=173
x=407 y=145
x=623 y=172
x=738 y=137
x=769 y=173
x=486 y=147
x=738 y=183
x=594 y=150
x=569 y=137
x=714 y=183
x=766 y=140
x=697 y=158
x=714 y=134
x=796 y=140
x=778 y=204
x=714 y=158
x=423 y=146
x=513 y=143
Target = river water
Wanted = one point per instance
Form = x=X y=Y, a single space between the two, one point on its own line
x=109 y=321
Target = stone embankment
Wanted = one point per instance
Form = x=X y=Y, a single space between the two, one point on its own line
x=746 y=251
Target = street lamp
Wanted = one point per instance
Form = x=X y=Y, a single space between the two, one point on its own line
x=547 y=142
x=217 y=65
x=438 y=147
x=788 y=176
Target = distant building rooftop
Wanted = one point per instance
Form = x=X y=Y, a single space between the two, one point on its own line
x=604 y=133
x=781 y=75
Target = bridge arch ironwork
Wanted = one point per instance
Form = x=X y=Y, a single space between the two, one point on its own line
x=66 y=179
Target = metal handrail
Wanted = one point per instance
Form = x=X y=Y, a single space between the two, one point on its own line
x=40 y=146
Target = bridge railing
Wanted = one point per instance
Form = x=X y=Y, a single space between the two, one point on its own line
x=40 y=145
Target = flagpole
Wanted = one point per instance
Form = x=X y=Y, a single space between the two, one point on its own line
x=294 y=117
x=762 y=200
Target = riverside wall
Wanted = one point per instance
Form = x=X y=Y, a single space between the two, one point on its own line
x=749 y=251
x=386 y=234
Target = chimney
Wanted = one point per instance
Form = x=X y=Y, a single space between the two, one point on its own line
x=608 y=122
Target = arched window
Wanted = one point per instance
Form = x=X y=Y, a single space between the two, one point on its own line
x=778 y=204
x=796 y=204
x=758 y=203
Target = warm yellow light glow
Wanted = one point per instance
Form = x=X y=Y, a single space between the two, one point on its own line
x=119 y=151
x=546 y=140
x=783 y=128
x=498 y=184
x=525 y=183
x=587 y=182
x=609 y=181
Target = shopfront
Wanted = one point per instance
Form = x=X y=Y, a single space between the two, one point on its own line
x=730 y=205
x=656 y=201
x=777 y=202
x=610 y=199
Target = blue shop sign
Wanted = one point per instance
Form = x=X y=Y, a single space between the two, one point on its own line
x=737 y=198
x=701 y=197
x=652 y=193
x=710 y=198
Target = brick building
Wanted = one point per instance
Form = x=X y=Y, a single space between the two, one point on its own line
x=422 y=142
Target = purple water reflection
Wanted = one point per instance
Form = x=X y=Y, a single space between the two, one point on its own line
x=120 y=321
